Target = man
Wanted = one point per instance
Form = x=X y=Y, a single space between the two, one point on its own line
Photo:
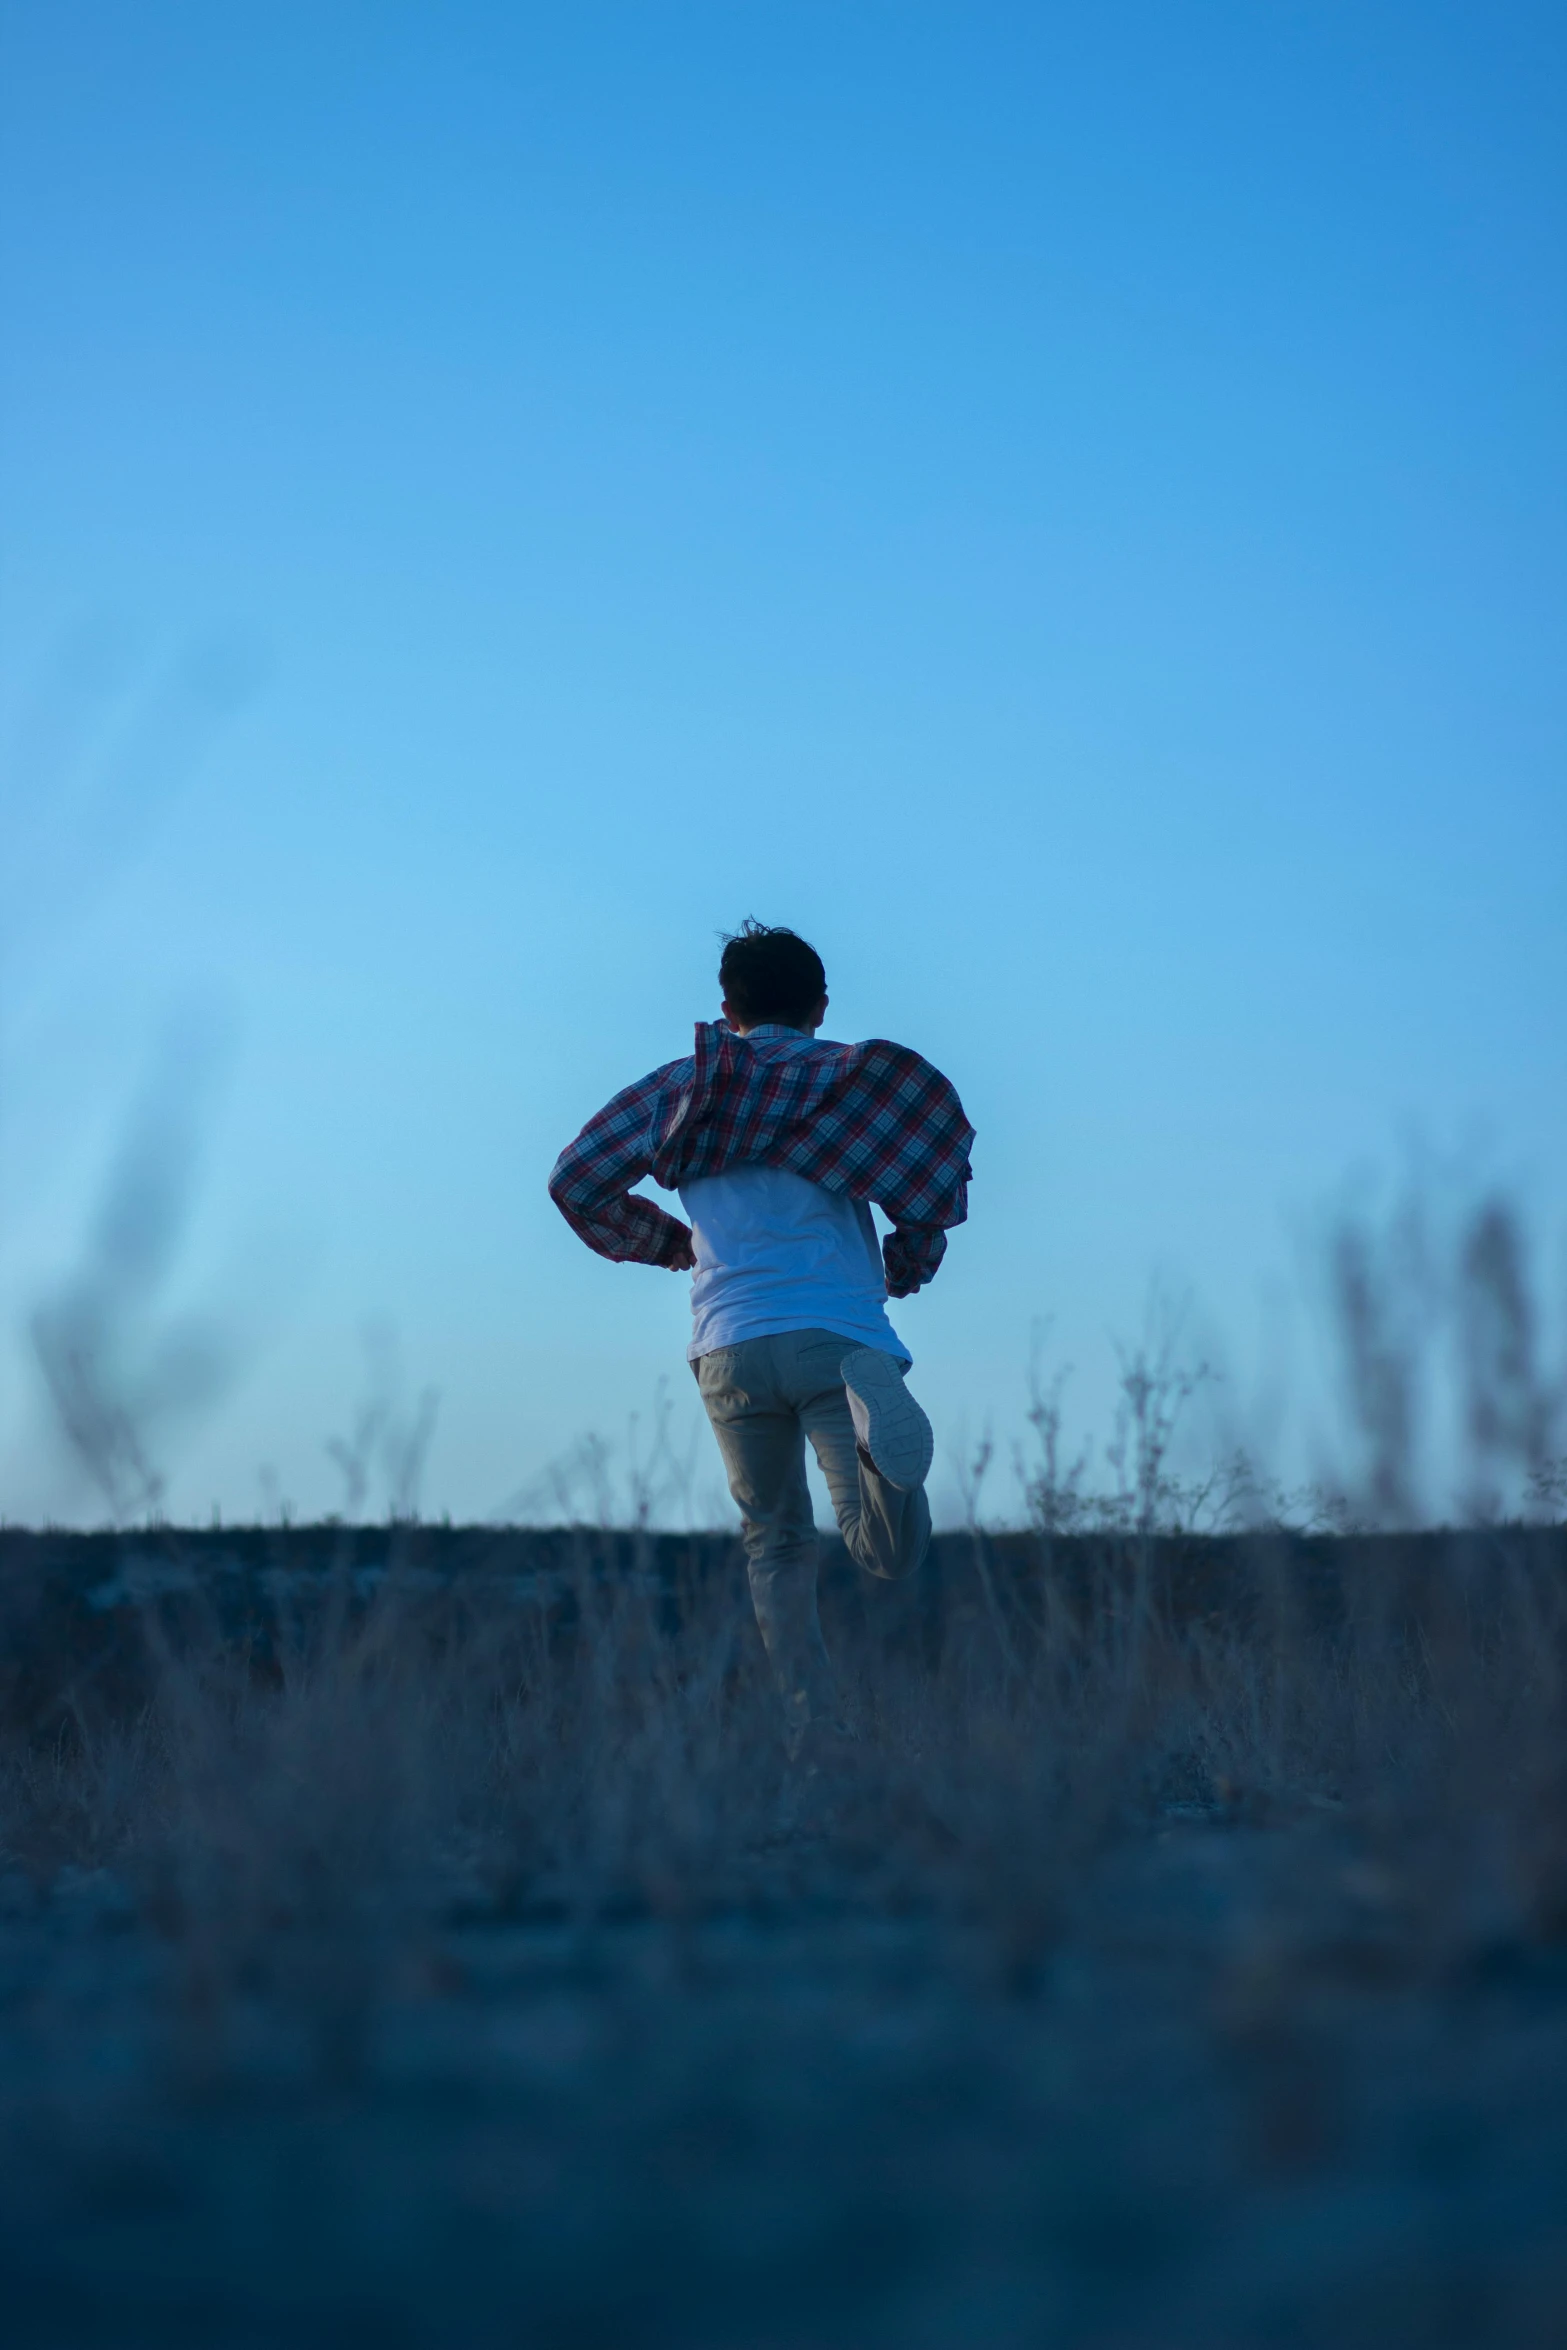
x=776 y=1144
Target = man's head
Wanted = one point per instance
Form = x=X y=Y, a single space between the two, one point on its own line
x=770 y=973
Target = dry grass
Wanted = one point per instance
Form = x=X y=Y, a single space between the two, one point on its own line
x=1178 y=1955
x=500 y=1960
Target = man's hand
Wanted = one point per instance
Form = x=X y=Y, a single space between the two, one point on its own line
x=910 y=1254
x=682 y=1256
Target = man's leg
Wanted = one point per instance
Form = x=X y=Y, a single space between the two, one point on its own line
x=763 y=1445
x=887 y=1530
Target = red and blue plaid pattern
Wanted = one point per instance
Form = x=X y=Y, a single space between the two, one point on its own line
x=872 y=1120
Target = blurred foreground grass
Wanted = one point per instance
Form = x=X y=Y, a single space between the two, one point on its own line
x=418 y=1937
x=405 y=1942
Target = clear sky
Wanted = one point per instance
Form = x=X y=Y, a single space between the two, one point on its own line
x=1064 y=505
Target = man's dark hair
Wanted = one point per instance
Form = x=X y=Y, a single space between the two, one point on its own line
x=769 y=973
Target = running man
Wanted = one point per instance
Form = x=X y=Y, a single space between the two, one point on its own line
x=777 y=1143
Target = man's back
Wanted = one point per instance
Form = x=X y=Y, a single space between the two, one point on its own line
x=869 y=1121
x=775 y=1252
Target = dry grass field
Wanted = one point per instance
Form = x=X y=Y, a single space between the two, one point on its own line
x=424 y=1940
x=419 y=1937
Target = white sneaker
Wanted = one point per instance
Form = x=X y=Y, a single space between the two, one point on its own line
x=887 y=1420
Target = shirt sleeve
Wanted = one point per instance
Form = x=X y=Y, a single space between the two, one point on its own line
x=911 y=1254
x=591 y=1180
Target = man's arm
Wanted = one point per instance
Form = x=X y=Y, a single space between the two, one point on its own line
x=592 y=1178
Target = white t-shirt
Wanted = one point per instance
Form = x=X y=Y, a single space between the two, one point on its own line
x=775 y=1252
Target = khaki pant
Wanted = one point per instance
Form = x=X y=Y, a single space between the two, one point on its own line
x=764 y=1398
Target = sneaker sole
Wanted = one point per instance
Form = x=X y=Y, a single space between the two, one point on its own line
x=899 y=1438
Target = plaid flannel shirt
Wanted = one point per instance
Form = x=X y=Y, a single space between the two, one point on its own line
x=872 y=1120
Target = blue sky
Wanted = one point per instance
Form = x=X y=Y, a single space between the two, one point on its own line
x=1065 y=506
